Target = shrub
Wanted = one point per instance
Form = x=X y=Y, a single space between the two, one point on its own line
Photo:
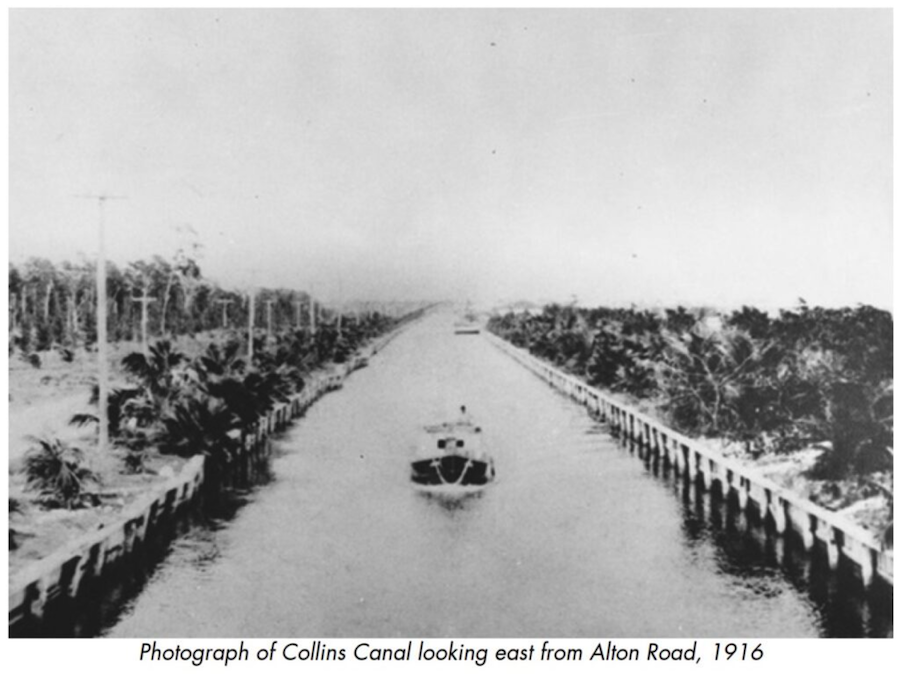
x=156 y=373
x=58 y=472
x=125 y=408
x=200 y=425
x=135 y=460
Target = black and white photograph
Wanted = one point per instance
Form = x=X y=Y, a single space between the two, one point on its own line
x=451 y=325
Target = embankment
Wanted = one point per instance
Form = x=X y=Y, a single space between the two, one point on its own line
x=785 y=513
x=44 y=592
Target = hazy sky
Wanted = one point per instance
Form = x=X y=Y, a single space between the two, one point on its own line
x=712 y=156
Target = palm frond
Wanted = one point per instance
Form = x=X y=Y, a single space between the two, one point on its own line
x=83 y=419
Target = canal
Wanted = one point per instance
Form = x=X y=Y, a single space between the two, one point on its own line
x=577 y=537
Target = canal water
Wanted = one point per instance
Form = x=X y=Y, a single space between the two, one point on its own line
x=576 y=538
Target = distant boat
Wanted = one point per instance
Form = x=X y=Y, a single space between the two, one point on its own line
x=451 y=461
x=468 y=325
x=466 y=329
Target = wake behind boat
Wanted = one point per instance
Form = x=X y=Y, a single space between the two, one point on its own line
x=451 y=461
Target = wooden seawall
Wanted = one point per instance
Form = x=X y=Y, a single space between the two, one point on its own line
x=697 y=462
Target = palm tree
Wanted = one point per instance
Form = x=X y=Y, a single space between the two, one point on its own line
x=200 y=425
x=57 y=471
x=703 y=373
x=859 y=422
x=156 y=372
x=123 y=405
x=220 y=361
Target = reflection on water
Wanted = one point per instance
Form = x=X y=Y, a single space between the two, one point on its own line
x=451 y=504
x=577 y=536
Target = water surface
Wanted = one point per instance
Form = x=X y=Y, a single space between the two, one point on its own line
x=577 y=537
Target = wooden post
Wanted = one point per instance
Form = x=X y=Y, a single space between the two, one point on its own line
x=828 y=534
x=298 y=304
x=102 y=356
x=103 y=374
x=802 y=523
x=144 y=299
x=250 y=328
x=743 y=493
x=269 y=304
x=776 y=507
x=867 y=567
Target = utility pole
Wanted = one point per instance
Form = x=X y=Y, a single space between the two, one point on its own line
x=250 y=327
x=312 y=315
x=224 y=304
x=102 y=356
x=299 y=304
x=340 y=315
x=144 y=299
x=269 y=304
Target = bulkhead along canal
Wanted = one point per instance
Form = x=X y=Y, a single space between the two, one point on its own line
x=577 y=537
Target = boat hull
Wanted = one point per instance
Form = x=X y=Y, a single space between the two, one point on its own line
x=452 y=470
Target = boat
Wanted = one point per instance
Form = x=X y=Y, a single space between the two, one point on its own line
x=468 y=323
x=465 y=328
x=451 y=461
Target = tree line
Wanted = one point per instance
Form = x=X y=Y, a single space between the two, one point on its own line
x=54 y=305
x=807 y=376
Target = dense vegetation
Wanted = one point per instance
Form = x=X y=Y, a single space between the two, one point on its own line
x=810 y=376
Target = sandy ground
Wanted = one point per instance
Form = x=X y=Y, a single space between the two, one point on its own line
x=41 y=531
x=791 y=471
x=42 y=400
x=41 y=403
